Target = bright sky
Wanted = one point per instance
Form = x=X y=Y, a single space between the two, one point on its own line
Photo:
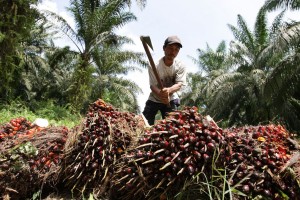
x=196 y=22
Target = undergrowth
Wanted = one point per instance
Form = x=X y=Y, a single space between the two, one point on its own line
x=56 y=115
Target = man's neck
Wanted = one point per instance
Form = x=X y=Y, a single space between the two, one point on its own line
x=168 y=62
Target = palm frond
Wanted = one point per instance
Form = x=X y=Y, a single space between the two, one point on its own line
x=215 y=84
x=122 y=92
x=246 y=37
x=260 y=28
x=283 y=81
x=223 y=102
x=193 y=93
x=276 y=24
x=287 y=36
x=288 y=114
x=209 y=59
x=140 y=3
x=272 y=5
x=240 y=54
x=235 y=31
x=61 y=24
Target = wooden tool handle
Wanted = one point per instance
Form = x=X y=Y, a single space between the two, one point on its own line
x=152 y=64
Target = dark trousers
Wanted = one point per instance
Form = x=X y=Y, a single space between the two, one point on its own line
x=152 y=108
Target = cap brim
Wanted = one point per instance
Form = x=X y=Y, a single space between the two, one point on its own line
x=175 y=43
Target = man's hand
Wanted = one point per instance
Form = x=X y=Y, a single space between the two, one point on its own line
x=164 y=95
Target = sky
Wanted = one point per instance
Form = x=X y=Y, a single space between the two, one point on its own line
x=197 y=23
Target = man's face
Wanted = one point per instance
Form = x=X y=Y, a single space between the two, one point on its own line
x=171 y=50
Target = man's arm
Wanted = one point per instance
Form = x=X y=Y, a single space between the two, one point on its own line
x=174 y=88
x=161 y=93
x=165 y=93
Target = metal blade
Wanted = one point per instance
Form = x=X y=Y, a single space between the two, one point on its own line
x=147 y=40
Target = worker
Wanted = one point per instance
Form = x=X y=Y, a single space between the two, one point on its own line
x=172 y=73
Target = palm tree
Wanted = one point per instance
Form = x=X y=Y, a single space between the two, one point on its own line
x=237 y=96
x=211 y=64
x=34 y=81
x=96 y=22
x=210 y=60
x=282 y=91
x=281 y=88
x=47 y=69
x=193 y=94
x=111 y=64
x=272 y=5
x=247 y=95
x=17 y=18
x=57 y=80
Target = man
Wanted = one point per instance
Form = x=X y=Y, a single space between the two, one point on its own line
x=172 y=73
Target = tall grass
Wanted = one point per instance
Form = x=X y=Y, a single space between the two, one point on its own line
x=212 y=183
x=56 y=115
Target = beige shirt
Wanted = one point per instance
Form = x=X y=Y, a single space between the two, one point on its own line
x=169 y=76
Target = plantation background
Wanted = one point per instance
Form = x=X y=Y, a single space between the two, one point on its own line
x=251 y=81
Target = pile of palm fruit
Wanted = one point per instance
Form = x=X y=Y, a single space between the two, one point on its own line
x=174 y=149
x=112 y=154
x=15 y=128
x=29 y=157
x=259 y=157
x=92 y=152
x=187 y=145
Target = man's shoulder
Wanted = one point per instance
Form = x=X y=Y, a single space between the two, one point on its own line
x=160 y=61
x=179 y=64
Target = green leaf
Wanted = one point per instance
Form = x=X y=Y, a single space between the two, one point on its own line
x=36 y=195
x=235 y=191
x=26 y=148
x=91 y=197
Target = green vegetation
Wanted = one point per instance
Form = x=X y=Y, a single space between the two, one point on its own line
x=56 y=115
x=254 y=80
x=37 y=70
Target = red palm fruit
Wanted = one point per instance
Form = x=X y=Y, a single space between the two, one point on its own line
x=240 y=174
x=258 y=164
x=206 y=157
x=159 y=158
x=197 y=154
x=180 y=141
x=191 y=169
x=139 y=154
x=176 y=130
x=192 y=139
x=175 y=166
x=168 y=159
x=203 y=149
x=246 y=189
x=255 y=135
x=164 y=143
x=267 y=193
x=211 y=147
x=264 y=160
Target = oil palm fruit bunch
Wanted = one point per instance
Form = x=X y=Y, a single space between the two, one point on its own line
x=15 y=127
x=50 y=143
x=28 y=162
x=170 y=152
x=16 y=178
x=96 y=146
x=257 y=159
